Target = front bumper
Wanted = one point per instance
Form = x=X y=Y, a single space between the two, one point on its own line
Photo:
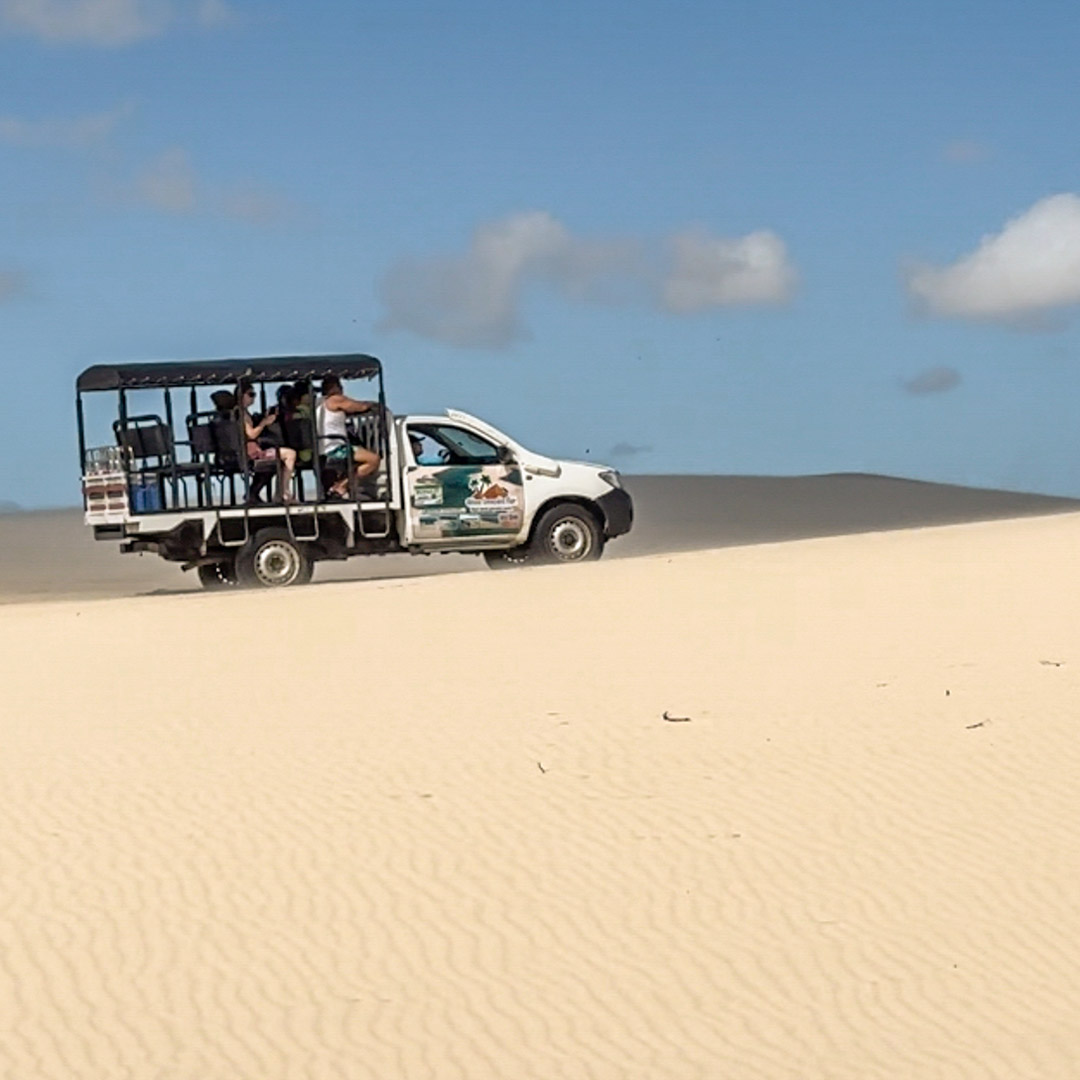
x=618 y=510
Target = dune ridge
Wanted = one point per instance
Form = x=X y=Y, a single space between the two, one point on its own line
x=854 y=860
x=51 y=554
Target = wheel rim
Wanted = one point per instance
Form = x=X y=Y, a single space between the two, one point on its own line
x=277 y=563
x=569 y=540
x=218 y=575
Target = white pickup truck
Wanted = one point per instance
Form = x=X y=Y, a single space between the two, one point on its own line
x=449 y=483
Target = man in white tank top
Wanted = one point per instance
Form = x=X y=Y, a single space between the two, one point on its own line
x=334 y=443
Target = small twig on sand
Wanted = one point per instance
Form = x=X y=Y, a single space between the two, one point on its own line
x=541 y=767
x=981 y=723
x=1052 y=663
x=676 y=719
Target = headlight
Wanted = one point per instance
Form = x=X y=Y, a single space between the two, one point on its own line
x=611 y=477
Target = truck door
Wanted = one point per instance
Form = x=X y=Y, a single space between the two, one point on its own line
x=461 y=490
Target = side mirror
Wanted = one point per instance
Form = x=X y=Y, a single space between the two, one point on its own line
x=506 y=455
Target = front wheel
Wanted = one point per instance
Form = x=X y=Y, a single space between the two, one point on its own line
x=219 y=575
x=567 y=534
x=506 y=558
x=272 y=559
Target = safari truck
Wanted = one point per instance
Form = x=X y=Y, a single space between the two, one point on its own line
x=181 y=477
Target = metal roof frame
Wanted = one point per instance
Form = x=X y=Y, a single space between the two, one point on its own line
x=226 y=372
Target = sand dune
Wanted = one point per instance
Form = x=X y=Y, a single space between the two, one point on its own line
x=439 y=827
x=53 y=554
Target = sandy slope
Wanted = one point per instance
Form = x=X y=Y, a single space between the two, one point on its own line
x=439 y=828
x=52 y=554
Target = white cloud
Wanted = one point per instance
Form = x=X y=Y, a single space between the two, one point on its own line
x=1017 y=275
x=108 y=23
x=711 y=271
x=966 y=152
x=75 y=133
x=88 y=22
x=254 y=205
x=11 y=283
x=214 y=13
x=935 y=380
x=169 y=183
x=473 y=299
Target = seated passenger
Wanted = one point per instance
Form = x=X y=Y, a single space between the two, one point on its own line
x=334 y=442
x=302 y=415
x=224 y=400
x=286 y=401
x=245 y=393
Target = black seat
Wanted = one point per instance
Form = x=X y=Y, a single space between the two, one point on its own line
x=297 y=434
x=147 y=440
x=200 y=441
x=148 y=445
x=231 y=457
x=152 y=449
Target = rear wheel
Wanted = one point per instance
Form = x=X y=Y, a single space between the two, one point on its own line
x=272 y=559
x=567 y=534
x=219 y=575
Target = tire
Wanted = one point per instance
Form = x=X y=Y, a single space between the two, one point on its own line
x=568 y=533
x=272 y=559
x=507 y=558
x=219 y=575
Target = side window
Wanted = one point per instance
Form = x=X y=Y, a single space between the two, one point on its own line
x=463 y=447
x=425 y=449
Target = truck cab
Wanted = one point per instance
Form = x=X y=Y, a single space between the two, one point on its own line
x=445 y=483
x=467 y=485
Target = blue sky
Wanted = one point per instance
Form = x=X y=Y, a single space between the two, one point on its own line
x=750 y=237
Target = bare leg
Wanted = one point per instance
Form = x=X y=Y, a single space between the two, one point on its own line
x=340 y=485
x=367 y=462
x=288 y=464
x=257 y=484
x=366 y=465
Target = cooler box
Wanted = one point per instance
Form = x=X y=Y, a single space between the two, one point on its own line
x=145 y=495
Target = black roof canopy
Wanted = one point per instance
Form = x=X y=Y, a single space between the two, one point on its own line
x=226 y=372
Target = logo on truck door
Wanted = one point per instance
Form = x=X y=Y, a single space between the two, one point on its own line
x=467 y=500
x=488 y=494
x=427 y=491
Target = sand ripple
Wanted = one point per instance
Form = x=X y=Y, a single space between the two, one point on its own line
x=498 y=860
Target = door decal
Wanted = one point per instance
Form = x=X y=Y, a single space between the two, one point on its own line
x=466 y=500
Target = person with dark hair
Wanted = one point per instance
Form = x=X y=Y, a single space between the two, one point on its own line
x=334 y=442
x=224 y=400
x=301 y=421
x=287 y=399
x=245 y=394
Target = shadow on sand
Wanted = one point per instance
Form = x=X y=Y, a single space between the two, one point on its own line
x=684 y=513
x=51 y=554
